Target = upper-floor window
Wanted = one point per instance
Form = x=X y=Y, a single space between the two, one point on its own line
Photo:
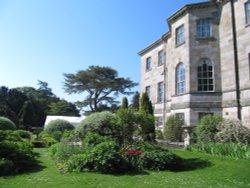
x=205 y=75
x=160 y=92
x=159 y=121
x=180 y=79
x=147 y=90
x=180 y=37
x=247 y=7
x=148 y=64
x=161 y=57
x=204 y=28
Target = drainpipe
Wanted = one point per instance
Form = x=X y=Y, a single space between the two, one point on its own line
x=236 y=61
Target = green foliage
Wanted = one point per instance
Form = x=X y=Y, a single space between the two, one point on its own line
x=100 y=83
x=16 y=155
x=124 y=103
x=172 y=128
x=106 y=158
x=232 y=131
x=159 y=135
x=63 y=150
x=208 y=127
x=236 y=151
x=147 y=126
x=135 y=104
x=100 y=123
x=6 y=124
x=63 y=108
x=146 y=105
x=93 y=139
x=78 y=163
x=24 y=134
x=126 y=120
x=48 y=139
x=58 y=125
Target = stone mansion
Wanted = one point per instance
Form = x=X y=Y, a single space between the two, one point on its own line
x=202 y=64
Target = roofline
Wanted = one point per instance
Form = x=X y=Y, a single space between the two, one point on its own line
x=188 y=7
x=158 y=42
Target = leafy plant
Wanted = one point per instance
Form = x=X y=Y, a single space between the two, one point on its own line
x=6 y=124
x=172 y=128
x=208 y=127
x=237 y=151
x=100 y=123
x=146 y=123
x=232 y=131
x=58 y=125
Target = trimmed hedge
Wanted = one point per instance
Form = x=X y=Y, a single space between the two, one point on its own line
x=58 y=125
x=6 y=124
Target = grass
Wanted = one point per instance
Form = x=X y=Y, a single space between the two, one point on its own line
x=201 y=170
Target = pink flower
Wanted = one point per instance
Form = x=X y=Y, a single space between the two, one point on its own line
x=139 y=152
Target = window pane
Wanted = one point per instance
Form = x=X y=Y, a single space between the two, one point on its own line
x=205 y=75
x=180 y=35
x=204 y=28
x=248 y=13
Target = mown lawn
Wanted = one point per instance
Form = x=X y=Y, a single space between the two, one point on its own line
x=201 y=171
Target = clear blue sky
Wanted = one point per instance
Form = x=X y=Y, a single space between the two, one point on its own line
x=42 y=39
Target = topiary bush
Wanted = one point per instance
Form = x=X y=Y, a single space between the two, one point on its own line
x=208 y=127
x=172 y=128
x=6 y=124
x=16 y=154
x=24 y=134
x=58 y=125
x=232 y=131
x=106 y=158
x=146 y=126
x=100 y=123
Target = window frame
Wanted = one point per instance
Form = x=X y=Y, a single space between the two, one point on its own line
x=204 y=28
x=148 y=91
x=247 y=12
x=148 y=64
x=160 y=92
x=205 y=82
x=161 y=57
x=180 y=79
x=180 y=35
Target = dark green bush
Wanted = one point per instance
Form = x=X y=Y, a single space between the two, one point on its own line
x=6 y=167
x=47 y=138
x=159 y=134
x=78 y=163
x=38 y=144
x=146 y=126
x=172 y=128
x=106 y=158
x=93 y=139
x=10 y=136
x=62 y=151
x=232 y=131
x=100 y=123
x=6 y=124
x=58 y=125
x=20 y=154
x=126 y=120
x=24 y=134
x=208 y=127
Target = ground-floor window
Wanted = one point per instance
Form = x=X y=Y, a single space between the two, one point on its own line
x=182 y=117
x=202 y=114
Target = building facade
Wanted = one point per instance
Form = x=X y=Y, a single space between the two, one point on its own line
x=202 y=64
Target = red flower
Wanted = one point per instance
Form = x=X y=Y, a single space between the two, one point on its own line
x=131 y=152
x=139 y=152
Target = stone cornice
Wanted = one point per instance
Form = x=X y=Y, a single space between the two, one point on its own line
x=155 y=44
x=184 y=10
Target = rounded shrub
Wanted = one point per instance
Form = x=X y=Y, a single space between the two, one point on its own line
x=106 y=158
x=208 y=127
x=100 y=123
x=24 y=134
x=232 y=131
x=6 y=124
x=172 y=128
x=58 y=125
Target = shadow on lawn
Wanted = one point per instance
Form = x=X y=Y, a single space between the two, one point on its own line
x=194 y=164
